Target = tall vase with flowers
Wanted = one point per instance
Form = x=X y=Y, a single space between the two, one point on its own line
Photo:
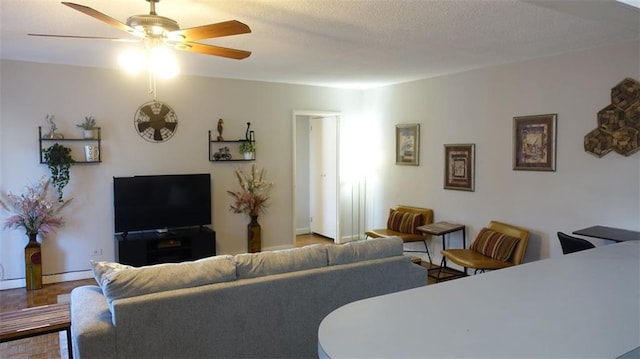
x=36 y=214
x=252 y=200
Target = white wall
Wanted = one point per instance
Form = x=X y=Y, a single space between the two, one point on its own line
x=478 y=107
x=473 y=107
x=30 y=90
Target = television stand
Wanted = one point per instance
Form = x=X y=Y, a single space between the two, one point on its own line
x=176 y=245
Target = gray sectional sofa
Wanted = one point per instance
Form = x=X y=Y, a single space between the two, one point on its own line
x=260 y=305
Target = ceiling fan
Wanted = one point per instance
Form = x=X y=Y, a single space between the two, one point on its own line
x=155 y=30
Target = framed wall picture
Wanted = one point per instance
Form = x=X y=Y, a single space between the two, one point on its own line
x=408 y=144
x=534 y=143
x=459 y=167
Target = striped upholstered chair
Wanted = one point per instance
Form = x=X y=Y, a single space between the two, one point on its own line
x=499 y=245
x=402 y=222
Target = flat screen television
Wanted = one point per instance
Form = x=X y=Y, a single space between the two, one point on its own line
x=143 y=203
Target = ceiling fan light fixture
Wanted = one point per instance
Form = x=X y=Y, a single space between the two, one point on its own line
x=162 y=63
x=157 y=30
x=159 y=61
x=132 y=61
x=153 y=25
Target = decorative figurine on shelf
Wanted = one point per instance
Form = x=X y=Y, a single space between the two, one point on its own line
x=220 y=123
x=248 y=135
x=222 y=154
x=52 y=129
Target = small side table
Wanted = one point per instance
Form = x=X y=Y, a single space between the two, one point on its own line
x=441 y=229
x=34 y=321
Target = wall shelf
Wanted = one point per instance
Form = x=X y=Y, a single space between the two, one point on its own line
x=45 y=142
x=217 y=152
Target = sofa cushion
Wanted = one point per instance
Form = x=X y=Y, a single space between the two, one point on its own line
x=373 y=248
x=101 y=268
x=251 y=265
x=121 y=281
x=404 y=222
x=494 y=244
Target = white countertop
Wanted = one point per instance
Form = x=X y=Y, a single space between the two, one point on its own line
x=585 y=304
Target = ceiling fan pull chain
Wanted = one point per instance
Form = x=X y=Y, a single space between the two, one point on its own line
x=152 y=86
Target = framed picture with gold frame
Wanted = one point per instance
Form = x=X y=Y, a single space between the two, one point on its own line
x=408 y=144
x=459 y=166
x=534 y=142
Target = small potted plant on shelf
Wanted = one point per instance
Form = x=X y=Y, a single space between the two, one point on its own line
x=248 y=148
x=88 y=127
x=58 y=159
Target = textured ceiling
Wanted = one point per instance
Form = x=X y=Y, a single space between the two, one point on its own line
x=355 y=44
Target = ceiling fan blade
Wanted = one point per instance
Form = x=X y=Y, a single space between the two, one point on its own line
x=86 y=37
x=102 y=17
x=212 y=50
x=226 y=28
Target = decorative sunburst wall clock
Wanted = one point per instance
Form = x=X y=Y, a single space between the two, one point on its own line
x=155 y=121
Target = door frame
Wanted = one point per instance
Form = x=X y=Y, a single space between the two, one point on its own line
x=294 y=180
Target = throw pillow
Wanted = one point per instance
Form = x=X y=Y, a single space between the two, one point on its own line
x=494 y=244
x=404 y=222
x=251 y=265
x=369 y=249
x=101 y=268
x=120 y=281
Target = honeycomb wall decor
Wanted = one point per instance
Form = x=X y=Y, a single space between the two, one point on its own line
x=618 y=123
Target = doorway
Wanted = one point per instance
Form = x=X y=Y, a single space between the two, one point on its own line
x=316 y=173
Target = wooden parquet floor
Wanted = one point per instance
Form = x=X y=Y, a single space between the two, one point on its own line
x=47 y=346
x=44 y=346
